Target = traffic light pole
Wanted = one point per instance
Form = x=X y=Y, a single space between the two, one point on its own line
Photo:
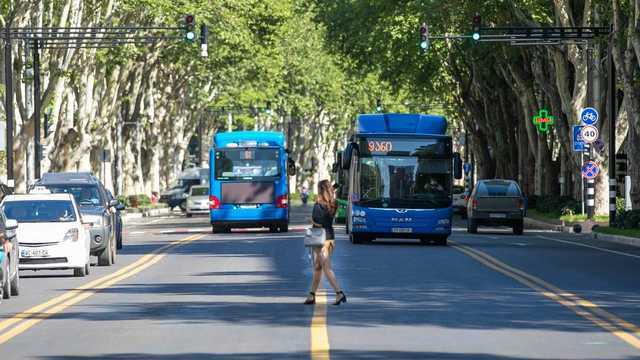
x=8 y=76
x=36 y=109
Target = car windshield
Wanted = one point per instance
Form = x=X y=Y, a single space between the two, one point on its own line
x=199 y=191
x=30 y=211
x=85 y=195
x=247 y=163
x=405 y=182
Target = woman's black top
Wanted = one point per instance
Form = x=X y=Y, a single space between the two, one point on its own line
x=322 y=217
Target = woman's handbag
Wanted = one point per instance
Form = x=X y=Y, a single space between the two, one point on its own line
x=315 y=237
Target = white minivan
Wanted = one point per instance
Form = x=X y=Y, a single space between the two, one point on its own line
x=51 y=233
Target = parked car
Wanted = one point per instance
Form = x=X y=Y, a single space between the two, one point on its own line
x=176 y=196
x=198 y=201
x=9 y=275
x=118 y=213
x=460 y=197
x=96 y=208
x=496 y=202
x=51 y=234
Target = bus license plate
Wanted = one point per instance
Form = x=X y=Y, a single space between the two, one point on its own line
x=401 y=230
x=34 y=253
x=248 y=206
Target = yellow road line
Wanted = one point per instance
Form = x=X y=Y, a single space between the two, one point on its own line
x=583 y=308
x=319 y=332
x=36 y=314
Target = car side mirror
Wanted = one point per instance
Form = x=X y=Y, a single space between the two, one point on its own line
x=457 y=166
x=113 y=203
x=11 y=224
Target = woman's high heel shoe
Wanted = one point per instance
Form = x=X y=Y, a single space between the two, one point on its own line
x=311 y=299
x=340 y=298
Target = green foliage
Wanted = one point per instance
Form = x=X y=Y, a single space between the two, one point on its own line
x=629 y=219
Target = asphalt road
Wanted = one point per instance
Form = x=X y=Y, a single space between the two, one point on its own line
x=180 y=292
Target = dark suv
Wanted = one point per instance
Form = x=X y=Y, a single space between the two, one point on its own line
x=97 y=206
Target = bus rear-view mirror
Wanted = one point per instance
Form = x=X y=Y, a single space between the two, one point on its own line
x=347 y=154
x=457 y=166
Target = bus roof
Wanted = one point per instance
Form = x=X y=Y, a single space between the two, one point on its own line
x=250 y=138
x=420 y=124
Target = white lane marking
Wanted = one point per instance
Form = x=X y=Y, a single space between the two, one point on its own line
x=136 y=232
x=155 y=221
x=591 y=247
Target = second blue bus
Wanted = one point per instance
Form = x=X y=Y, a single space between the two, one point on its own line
x=400 y=176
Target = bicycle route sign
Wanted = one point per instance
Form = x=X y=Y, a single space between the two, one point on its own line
x=589 y=116
x=590 y=170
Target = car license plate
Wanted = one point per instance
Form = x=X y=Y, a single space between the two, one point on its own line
x=34 y=253
x=497 y=215
x=401 y=230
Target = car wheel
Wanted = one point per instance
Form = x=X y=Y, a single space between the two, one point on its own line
x=79 y=272
x=6 y=290
x=189 y=215
x=183 y=206
x=472 y=226
x=119 y=240
x=15 y=285
x=518 y=228
x=113 y=253
x=104 y=259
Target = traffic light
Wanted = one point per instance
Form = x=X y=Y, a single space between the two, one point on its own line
x=477 y=23
x=379 y=106
x=424 y=38
x=189 y=28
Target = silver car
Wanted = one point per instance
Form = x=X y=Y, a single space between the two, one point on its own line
x=198 y=201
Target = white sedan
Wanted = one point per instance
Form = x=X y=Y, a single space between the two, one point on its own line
x=198 y=201
x=51 y=233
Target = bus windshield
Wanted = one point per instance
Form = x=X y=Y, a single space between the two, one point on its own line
x=405 y=182
x=247 y=163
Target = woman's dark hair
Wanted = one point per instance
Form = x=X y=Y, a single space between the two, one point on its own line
x=326 y=197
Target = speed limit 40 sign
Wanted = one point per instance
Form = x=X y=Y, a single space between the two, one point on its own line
x=589 y=133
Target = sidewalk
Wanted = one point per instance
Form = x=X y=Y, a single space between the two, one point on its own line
x=537 y=223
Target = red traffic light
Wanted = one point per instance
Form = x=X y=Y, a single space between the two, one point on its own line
x=189 y=19
x=477 y=20
x=423 y=29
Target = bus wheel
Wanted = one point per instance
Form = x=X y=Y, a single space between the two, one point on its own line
x=284 y=228
x=273 y=229
x=216 y=229
x=358 y=238
x=440 y=240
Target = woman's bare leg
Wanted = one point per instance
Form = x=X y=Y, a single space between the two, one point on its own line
x=328 y=271
x=317 y=270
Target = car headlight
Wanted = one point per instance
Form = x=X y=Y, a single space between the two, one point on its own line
x=71 y=235
x=95 y=220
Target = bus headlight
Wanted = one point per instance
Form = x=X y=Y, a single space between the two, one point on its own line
x=444 y=222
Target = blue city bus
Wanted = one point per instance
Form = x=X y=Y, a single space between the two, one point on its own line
x=400 y=178
x=249 y=185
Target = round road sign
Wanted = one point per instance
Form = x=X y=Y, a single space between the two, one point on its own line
x=590 y=170
x=589 y=116
x=589 y=134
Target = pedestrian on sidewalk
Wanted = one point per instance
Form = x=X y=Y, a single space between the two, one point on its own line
x=324 y=210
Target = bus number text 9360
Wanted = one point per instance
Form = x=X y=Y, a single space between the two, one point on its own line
x=379 y=146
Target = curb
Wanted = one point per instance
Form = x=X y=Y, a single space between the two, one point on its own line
x=626 y=240
x=146 y=213
x=545 y=225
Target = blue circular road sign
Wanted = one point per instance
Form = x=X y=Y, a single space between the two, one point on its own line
x=467 y=168
x=589 y=116
x=590 y=170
